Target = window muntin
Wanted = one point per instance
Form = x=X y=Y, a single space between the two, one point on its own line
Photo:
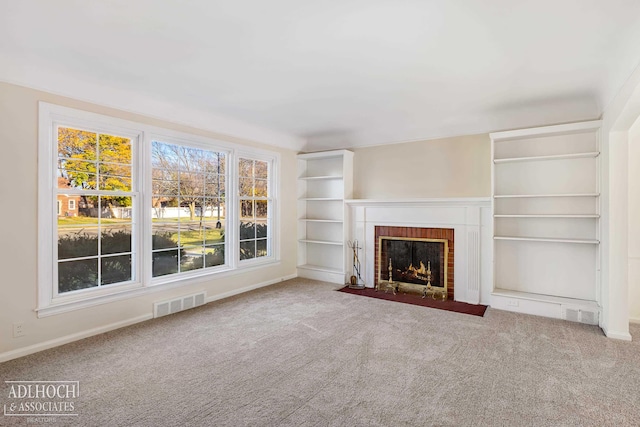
x=188 y=208
x=254 y=208
x=94 y=246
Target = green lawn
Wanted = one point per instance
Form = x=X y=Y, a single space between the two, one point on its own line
x=189 y=238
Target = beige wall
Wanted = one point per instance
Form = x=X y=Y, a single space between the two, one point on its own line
x=18 y=228
x=449 y=167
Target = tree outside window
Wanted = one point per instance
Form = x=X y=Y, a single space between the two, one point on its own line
x=94 y=246
x=188 y=201
x=254 y=208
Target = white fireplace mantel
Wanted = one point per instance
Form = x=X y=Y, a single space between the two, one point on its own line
x=470 y=218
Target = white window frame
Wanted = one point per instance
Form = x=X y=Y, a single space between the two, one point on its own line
x=71 y=205
x=272 y=192
x=59 y=203
x=49 y=302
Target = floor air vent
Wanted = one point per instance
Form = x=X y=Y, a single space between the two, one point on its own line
x=580 y=315
x=178 y=304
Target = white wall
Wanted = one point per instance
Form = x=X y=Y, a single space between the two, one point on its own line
x=634 y=222
x=618 y=119
x=18 y=228
x=448 y=167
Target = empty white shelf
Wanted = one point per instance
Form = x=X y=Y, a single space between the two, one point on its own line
x=321 y=199
x=321 y=242
x=517 y=196
x=551 y=157
x=321 y=177
x=320 y=220
x=546 y=216
x=547 y=239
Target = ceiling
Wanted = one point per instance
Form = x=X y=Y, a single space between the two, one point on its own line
x=316 y=75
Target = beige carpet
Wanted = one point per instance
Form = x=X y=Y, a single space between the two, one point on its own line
x=301 y=354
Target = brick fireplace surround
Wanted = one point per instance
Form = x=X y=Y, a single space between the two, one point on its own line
x=418 y=233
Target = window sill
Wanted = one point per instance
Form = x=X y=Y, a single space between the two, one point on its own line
x=137 y=290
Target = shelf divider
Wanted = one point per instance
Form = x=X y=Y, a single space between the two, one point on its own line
x=521 y=196
x=321 y=242
x=548 y=239
x=327 y=177
x=546 y=216
x=591 y=154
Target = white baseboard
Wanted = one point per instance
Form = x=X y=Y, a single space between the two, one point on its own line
x=634 y=320
x=24 y=351
x=624 y=336
x=249 y=288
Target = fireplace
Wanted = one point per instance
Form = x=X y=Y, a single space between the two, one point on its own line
x=412 y=259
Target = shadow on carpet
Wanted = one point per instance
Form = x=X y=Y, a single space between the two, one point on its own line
x=458 y=307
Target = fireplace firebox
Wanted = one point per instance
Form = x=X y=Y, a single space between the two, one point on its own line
x=415 y=260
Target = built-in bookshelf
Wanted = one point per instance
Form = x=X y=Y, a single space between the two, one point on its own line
x=325 y=180
x=546 y=209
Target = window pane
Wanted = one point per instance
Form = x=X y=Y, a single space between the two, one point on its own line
x=247 y=250
x=77 y=174
x=115 y=177
x=166 y=188
x=261 y=229
x=164 y=236
x=191 y=184
x=161 y=155
x=260 y=188
x=116 y=239
x=214 y=185
x=247 y=230
x=262 y=209
x=261 y=169
x=246 y=168
x=261 y=248
x=165 y=262
x=191 y=234
x=191 y=258
x=74 y=275
x=214 y=255
x=246 y=187
x=115 y=149
x=115 y=269
x=120 y=207
x=77 y=241
x=79 y=144
x=214 y=234
x=247 y=208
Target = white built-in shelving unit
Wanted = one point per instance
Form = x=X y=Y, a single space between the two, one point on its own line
x=546 y=209
x=325 y=180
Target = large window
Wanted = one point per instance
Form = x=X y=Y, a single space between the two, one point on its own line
x=125 y=206
x=188 y=199
x=94 y=246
